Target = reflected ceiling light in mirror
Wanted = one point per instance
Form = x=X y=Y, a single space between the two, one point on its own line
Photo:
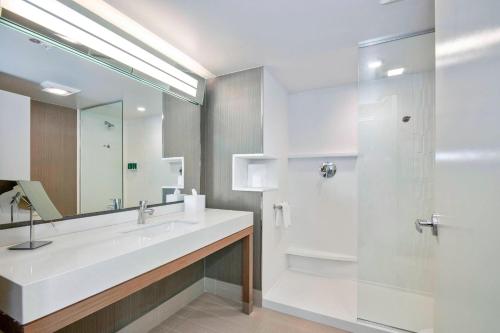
x=55 y=16
x=58 y=89
x=141 y=109
x=388 y=2
x=375 y=64
x=395 y=72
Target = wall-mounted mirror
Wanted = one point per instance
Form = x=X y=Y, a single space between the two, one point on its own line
x=96 y=139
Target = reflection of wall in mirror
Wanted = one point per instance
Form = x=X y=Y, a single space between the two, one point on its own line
x=53 y=153
x=38 y=143
x=14 y=136
x=143 y=145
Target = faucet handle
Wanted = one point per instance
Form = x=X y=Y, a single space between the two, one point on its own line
x=143 y=204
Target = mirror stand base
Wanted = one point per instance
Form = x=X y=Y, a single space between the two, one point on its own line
x=30 y=245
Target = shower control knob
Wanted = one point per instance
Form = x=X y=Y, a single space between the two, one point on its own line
x=328 y=170
x=432 y=223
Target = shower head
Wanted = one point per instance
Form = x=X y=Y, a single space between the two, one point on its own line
x=108 y=124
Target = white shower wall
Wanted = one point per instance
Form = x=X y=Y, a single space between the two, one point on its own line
x=324 y=211
x=275 y=239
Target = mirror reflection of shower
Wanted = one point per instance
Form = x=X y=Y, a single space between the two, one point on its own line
x=101 y=159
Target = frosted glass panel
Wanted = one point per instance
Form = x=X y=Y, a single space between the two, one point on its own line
x=101 y=146
x=396 y=156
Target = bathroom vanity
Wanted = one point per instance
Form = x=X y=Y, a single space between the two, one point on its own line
x=84 y=271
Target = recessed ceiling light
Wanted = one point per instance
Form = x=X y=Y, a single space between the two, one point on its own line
x=375 y=64
x=395 y=71
x=141 y=108
x=58 y=89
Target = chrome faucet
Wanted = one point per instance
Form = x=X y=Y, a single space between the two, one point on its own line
x=116 y=203
x=143 y=210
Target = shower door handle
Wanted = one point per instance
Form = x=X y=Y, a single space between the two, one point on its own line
x=432 y=223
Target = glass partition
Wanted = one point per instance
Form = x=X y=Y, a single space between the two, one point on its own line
x=396 y=156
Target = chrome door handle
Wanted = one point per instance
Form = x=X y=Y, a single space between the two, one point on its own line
x=328 y=170
x=432 y=223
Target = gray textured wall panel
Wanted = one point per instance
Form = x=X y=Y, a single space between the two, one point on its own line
x=118 y=315
x=232 y=124
x=181 y=137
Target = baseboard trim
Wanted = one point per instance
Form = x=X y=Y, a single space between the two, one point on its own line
x=159 y=314
x=229 y=291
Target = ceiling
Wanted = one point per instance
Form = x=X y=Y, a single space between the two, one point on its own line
x=24 y=65
x=306 y=44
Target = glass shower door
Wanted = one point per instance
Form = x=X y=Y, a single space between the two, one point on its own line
x=396 y=158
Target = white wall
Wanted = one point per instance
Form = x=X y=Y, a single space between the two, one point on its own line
x=323 y=120
x=14 y=136
x=324 y=211
x=274 y=240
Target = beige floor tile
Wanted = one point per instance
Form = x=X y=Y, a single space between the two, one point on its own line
x=213 y=314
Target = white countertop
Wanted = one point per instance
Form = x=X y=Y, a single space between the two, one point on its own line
x=81 y=264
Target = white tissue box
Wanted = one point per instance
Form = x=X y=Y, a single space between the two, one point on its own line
x=194 y=204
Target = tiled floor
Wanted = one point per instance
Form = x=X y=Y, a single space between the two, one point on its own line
x=212 y=314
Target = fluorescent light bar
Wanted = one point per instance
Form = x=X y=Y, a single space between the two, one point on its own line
x=125 y=23
x=34 y=14
x=58 y=89
x=395 y=71
x=375 y=64
x=84 y=23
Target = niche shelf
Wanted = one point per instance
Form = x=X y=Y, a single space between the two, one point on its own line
x=254 y=173
x=348 y=154
x=316 y=254
x=175 y=168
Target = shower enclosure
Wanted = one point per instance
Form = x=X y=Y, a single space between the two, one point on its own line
x=395 y=171
x=353 y=257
